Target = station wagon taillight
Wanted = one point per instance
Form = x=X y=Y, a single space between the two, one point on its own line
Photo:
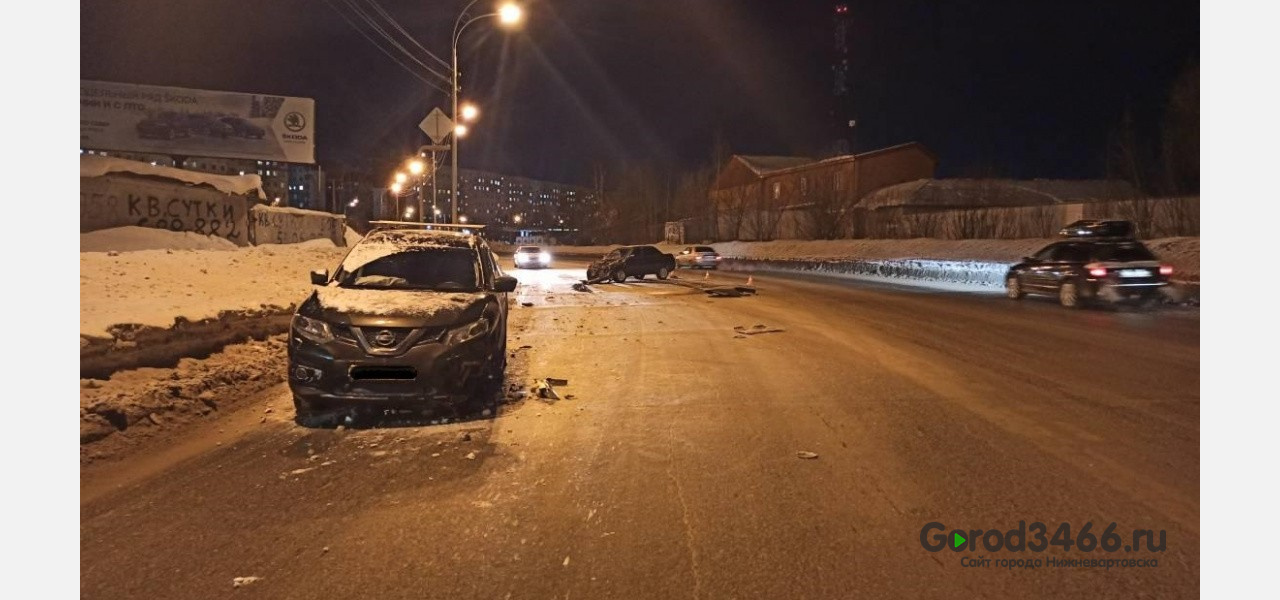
x=1166 y=270
x=1098 y=272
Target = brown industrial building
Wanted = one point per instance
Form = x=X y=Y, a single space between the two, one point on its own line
x=768 y=197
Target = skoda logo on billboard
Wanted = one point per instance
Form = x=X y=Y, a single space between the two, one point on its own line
x=294 y=121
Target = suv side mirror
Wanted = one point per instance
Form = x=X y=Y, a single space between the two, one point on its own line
x=320 y=277
x=505 y=283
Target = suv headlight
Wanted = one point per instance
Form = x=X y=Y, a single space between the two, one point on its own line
x=470 y=331
x=314 y=330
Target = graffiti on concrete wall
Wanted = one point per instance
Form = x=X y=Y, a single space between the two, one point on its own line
x=114 y=201
x=291 y=225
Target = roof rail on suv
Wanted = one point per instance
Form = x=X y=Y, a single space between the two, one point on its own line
x=384 y=225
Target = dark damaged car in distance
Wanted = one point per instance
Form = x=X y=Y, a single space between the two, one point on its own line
x=632 y=261
x=410 y=319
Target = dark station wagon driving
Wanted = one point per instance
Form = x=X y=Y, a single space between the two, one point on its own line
x=1084 y=271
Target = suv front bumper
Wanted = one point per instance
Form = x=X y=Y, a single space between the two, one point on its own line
x=339 y=373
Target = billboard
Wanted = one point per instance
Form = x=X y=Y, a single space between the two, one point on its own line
x=187 y=122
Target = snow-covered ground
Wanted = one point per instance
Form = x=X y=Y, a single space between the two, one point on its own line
x=154 y=287
x=133 y=238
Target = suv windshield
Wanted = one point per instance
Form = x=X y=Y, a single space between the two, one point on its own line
x=1121 y=252
x=529 y=249
x=704 y=249
x=435 y=268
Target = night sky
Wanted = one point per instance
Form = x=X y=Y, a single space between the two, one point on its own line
x=1017 y=88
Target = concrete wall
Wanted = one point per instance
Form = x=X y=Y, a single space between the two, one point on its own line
x=117 y=200
x=274 y=225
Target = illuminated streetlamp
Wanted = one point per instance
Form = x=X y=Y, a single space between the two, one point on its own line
x=460 y=130
x=416 y=167
x=470 y=112
x=462 y=219
x=510 y=14
x=400 y=177
x=396 y=187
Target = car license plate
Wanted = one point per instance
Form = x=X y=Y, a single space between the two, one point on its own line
x=1135 y=273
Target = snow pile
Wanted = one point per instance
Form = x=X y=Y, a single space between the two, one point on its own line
x=132 y=405
x=351 y=237
x=1181 y=252
x=133 y=238
x=155 y=287
x=241 y=185
x=972 y=262
x=375 y=302
x=965 y=262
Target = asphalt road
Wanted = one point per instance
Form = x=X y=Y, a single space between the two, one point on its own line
x=672 y=471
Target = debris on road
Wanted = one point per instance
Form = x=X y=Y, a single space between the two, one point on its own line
x=556 y=381
x=546 y=391
x=466 y=437
x=581 y=287
x=243 y=581
x=526 y=304
x=758 y=329
x=471 y=456
x=730 y=291
x=806 y=454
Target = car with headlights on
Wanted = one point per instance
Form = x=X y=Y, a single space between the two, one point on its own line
x=1083 y=271
x=532 y=257
x=410 y=319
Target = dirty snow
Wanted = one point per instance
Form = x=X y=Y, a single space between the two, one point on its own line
x=95 y=166
x=133 y=238
x=135 y=405
x=153 y=287
x=376 y=302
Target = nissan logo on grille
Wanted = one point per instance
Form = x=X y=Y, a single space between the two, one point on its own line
x=385 y=338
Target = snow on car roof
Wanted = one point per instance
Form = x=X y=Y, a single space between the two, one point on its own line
x=384 y=302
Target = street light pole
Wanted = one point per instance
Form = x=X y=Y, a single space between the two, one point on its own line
x=458 y=26
x=509 y=14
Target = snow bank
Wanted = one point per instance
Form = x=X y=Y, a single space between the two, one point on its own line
x=95 y=166
x=1181 y=252
x=154 y=287
x=351 y=237
x=133 y=238
x=132 y=406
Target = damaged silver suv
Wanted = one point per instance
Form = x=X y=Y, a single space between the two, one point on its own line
x=410 y=319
